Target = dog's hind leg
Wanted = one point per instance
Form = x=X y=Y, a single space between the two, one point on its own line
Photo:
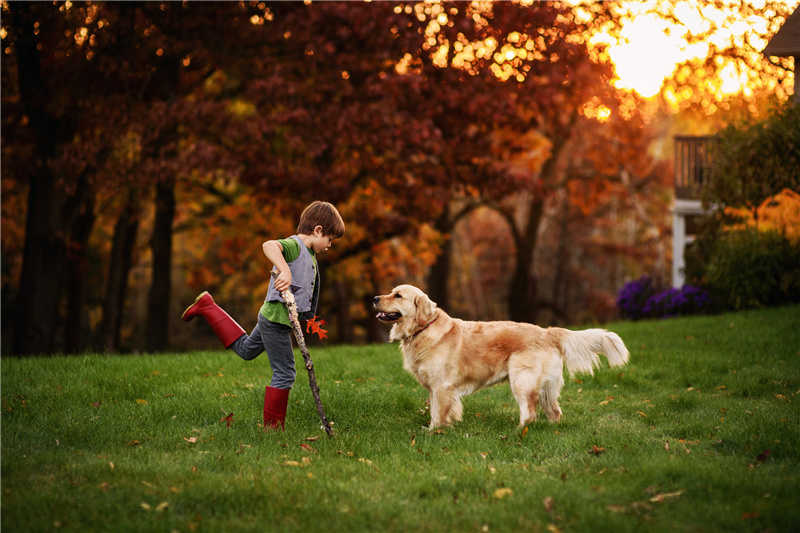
x=551 y=390
x=524 y=380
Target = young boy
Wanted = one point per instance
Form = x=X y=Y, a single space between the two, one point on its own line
x=295 y=260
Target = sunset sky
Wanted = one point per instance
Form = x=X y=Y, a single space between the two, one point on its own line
x=655 y=46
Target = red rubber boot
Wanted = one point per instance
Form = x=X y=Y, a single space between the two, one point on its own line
x=223 y=325
x=275 y=402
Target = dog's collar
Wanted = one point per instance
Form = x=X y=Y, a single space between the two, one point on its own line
x=426 y=326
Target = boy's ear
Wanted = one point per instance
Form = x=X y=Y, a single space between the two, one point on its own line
x=318 y=231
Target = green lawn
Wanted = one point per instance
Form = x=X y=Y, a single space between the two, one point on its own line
x=698 y=433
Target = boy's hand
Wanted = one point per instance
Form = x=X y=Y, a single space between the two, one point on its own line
x=284 y=280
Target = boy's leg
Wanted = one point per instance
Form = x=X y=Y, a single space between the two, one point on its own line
x=248 y=347
x=226 y=328
x=278 y=345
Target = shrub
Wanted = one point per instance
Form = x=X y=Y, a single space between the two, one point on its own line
x=634 y=296
x=643 y=298
x=752 y=269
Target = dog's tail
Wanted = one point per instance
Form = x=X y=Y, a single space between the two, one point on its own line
x=581 y=349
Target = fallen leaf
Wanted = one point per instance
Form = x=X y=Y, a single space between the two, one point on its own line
x=190 y=439
x=658 y=498
x=141 y=401
x=502 y=493
x=548 y=504
x=596 y=451
x=763 y=456
x=96 y=404
x=145 y=506
x=228 y=419
x=306 y=460
x=553 y=529
x=161 y=506
x=133 y=443
x=312 y=439
x=525 y=432
x=641 y=413
x=308 y=448
x=750 y=516
x=616 y=508
x=291 y=463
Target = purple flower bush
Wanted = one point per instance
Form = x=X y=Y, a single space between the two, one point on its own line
x=643 y=298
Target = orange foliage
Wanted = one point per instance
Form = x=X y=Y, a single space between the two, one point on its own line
x=779 y=213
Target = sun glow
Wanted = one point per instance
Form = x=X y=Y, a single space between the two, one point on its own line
x=650 y=47
x=648 y=53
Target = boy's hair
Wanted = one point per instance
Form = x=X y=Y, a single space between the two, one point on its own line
x=321 y=214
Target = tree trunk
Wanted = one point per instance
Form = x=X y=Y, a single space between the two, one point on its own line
x=523 y=298
x=78 y=265
x=160 y=287
x=120 y=263
x=44 y=255
x=347 y=334
x=439 y=274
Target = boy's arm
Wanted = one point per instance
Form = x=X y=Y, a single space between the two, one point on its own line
x=274 y=252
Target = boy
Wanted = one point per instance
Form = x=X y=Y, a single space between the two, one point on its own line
x=295 y=259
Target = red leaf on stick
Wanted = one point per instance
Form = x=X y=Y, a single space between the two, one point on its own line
x=313 y=326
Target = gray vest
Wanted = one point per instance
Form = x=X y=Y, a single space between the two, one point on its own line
x=305 y=283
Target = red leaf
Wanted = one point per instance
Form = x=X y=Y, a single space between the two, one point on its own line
x=312 y=326
x=596 y=450
x=308 y=448
x=227 y=419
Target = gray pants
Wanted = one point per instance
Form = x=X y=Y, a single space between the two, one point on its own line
x=276 y=340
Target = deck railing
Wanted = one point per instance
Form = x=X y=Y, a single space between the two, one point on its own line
x=691 y=165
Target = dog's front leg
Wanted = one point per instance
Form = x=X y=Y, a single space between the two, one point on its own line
x=445 y=406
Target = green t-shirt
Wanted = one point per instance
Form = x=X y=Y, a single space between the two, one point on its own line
x=276 y=311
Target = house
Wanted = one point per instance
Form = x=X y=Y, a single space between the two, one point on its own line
x=692 y=157
x=691 y=167
x=786 y=43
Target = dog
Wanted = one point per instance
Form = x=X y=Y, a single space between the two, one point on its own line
x=452 y=358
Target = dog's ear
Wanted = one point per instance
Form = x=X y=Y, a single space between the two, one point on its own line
x=425 y=310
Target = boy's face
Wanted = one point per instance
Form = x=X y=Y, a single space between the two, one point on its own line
x=320 y=243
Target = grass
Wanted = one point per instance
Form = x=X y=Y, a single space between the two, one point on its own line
x=698 y=433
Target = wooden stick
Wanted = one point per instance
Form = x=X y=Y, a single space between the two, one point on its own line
x=291 y=306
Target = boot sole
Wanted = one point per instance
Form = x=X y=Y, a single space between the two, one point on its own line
x=195 y=303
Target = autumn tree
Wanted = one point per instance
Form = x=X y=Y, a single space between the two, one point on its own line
x=85 y=81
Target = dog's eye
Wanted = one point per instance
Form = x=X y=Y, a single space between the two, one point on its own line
x=397 y=295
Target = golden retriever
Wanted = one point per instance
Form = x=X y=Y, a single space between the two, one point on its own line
x=452 y=358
